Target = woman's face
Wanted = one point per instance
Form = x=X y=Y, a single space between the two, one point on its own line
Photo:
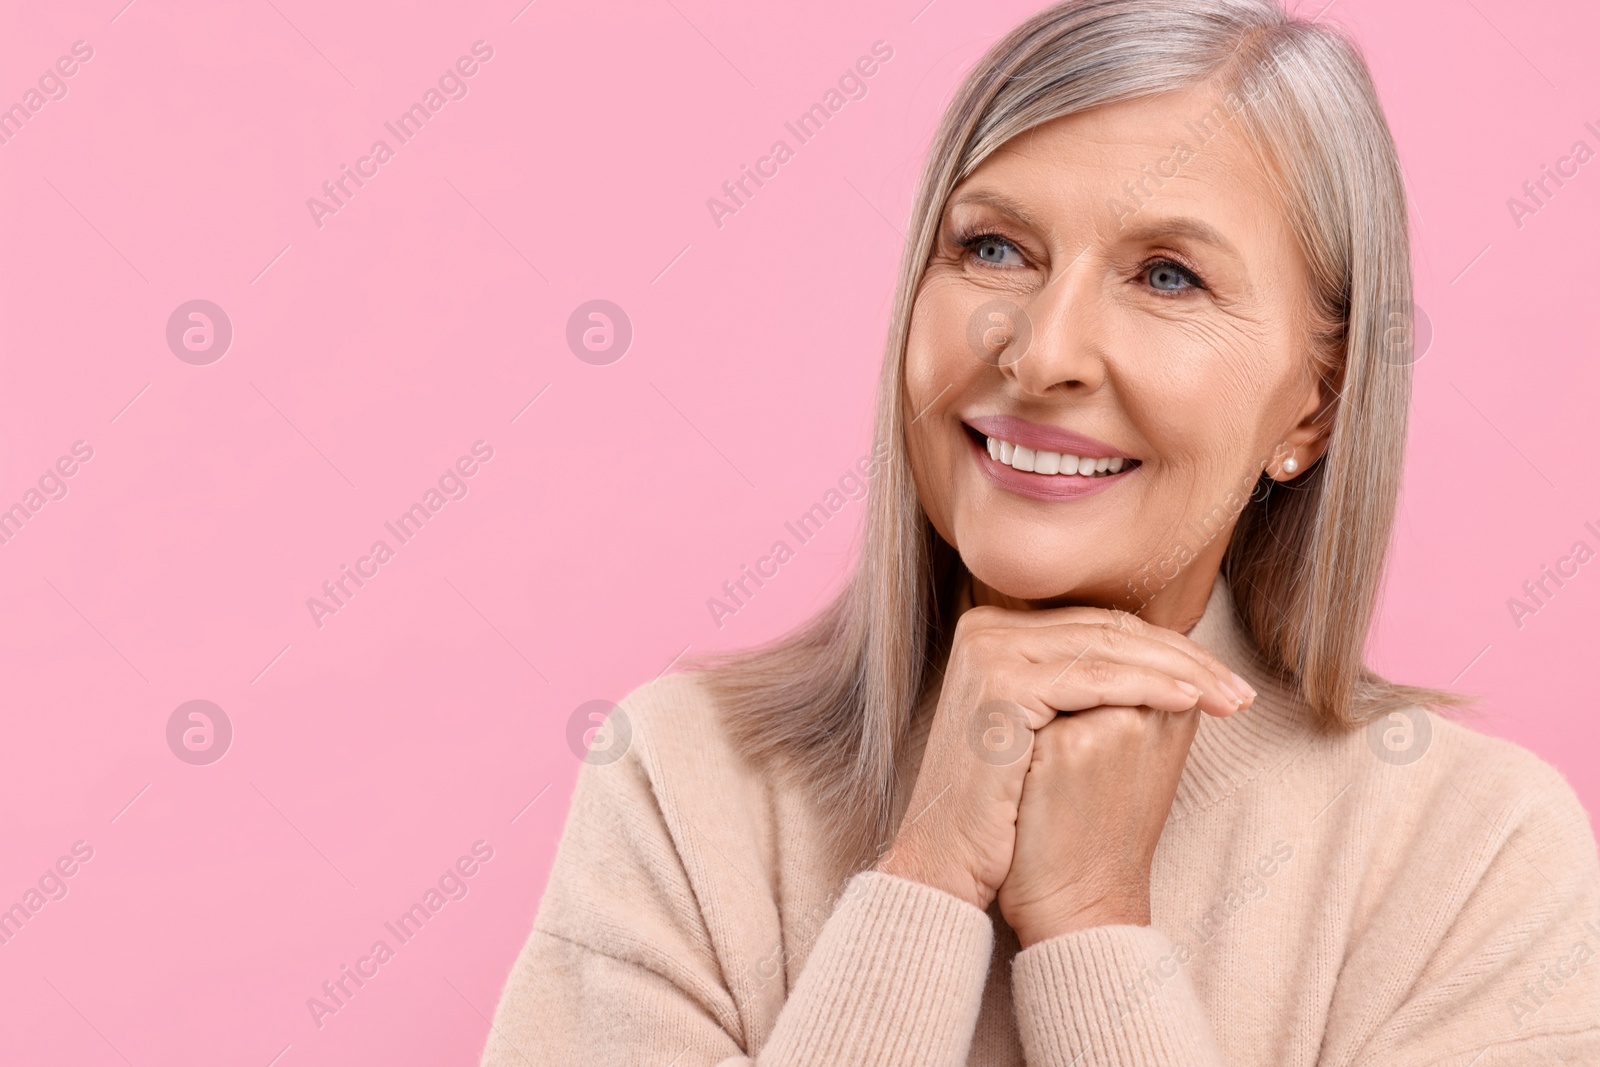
x=1108 y=286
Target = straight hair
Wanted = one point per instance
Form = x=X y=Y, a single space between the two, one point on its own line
x=829 y=703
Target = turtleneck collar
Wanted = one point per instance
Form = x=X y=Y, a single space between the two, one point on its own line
x=1229 y=752
x=1226 y=753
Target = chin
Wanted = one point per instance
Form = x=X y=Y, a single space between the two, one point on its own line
x=1021 y=577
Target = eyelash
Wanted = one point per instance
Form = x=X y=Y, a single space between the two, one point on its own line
x=1195 y=281
x=970 y=239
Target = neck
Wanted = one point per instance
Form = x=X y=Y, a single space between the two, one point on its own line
x=1177 y=606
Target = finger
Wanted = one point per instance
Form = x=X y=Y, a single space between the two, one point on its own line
x=1150 y=650
x=1094 y=682
x=1066 y=644
x=1201 y=654
x=1118 y=725
x=1126 y=622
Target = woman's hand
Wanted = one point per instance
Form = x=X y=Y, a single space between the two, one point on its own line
x=1009 y=674
x=1094 y=802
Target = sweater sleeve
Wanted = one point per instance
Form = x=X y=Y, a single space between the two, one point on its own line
x=647 y=946
x=1109 y=995
x=896 y=978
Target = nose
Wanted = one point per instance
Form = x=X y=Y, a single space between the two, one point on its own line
x=1067 y=350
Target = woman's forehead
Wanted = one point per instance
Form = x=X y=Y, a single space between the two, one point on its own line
x=1178 y=137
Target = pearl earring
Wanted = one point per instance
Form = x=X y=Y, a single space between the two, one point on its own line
x=1290 y=466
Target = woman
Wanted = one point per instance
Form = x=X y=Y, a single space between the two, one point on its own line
x=1084 y=766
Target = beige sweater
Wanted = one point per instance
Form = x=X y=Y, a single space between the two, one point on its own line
x=1313 y=903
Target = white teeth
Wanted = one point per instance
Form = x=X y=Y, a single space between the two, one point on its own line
x=1026 y=459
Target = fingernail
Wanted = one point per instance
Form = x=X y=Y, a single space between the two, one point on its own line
x=1229 y=693
x=1244 y=686
x=1192 y=691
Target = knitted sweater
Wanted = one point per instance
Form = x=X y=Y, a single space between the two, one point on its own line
x=1412 y=894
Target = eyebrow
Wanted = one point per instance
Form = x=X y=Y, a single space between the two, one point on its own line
x=1000 y=202
x=1182 y=226
x=1152 y=229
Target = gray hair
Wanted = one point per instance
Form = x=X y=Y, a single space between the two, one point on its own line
x=830 y=702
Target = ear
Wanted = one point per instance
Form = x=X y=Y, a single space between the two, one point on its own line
x=1307 y=440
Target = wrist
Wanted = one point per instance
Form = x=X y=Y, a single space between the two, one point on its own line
x=946 y=877
x=1043 y=923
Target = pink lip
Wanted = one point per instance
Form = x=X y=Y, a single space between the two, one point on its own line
x=1040 y=438
x=1032 y=435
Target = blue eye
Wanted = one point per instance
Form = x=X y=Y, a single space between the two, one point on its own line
x=1169 y=277
x=991 y=248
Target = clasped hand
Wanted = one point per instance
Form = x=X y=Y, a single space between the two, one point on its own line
x=1052 y=762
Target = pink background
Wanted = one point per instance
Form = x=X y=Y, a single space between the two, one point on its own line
x=368 y=354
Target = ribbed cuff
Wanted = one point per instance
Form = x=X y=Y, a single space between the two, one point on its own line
x=896 y=977
x=1109 y=995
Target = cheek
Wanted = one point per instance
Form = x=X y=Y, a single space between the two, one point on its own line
x=938 y=371
x=1198 y=392
x=927 y=400
x=939 y=374
x=936 y=349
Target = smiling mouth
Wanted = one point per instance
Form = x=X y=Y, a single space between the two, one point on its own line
x=1034 y=461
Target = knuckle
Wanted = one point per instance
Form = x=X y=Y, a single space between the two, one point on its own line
x=978 y=625
x=1127 y=723
x=1108 y=732
x=981 y=616
x=1006 y=679
x=970 y=644
x=1080 y=745
x=1114 y=640
x=965 y=624
x=1098 y=673
x=984 y=647
x=1056 y=742
x=1125 y=621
